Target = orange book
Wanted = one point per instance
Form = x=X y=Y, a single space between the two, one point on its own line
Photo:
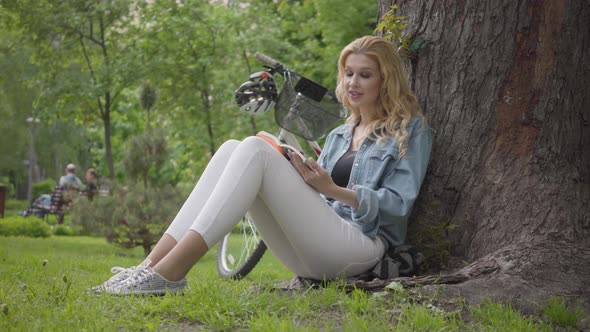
x=279 y=146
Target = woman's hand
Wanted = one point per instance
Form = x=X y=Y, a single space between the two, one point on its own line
x=312 y=173
x=317 y=177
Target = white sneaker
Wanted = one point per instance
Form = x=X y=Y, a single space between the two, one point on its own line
x=121 y=274
x=146 y=281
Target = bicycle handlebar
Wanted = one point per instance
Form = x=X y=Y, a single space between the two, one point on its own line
x=267 y=60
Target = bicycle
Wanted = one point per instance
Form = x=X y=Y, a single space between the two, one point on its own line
x=302 y=108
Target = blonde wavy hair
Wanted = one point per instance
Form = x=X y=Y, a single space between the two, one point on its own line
x=397 y=103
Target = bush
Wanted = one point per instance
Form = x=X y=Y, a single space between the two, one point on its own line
x=137 y=217
x=21 y=226
x=145 y=156
x=63 y=230
x=95 y=217
x=44 y=187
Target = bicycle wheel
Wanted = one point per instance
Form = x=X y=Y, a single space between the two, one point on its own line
x=240 y=250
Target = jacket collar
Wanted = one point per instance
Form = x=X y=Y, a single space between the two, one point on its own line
x=345 y=131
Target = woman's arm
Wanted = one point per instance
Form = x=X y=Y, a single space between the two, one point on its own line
x=400 y=187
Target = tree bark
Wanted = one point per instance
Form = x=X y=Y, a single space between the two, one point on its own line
x=504 y=85
x=106 y=120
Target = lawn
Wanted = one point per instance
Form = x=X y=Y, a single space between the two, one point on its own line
x=44 y=282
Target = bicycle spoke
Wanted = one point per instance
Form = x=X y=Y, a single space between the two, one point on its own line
x=240 y=250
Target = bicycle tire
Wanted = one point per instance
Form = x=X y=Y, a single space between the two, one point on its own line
x=250 y=251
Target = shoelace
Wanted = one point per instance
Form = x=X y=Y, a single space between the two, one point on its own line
x=121 y=273
x=138 y=275
x=144 y=265
x=118 y=269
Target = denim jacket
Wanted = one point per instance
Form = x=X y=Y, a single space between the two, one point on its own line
x=386 y=185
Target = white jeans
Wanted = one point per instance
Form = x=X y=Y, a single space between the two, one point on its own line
x=295 y=222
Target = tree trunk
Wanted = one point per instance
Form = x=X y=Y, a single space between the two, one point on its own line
x=209 y=120
x=107 y=140
x=249 y=70
x=504 y=85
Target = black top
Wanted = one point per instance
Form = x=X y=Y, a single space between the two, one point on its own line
x=342 y=169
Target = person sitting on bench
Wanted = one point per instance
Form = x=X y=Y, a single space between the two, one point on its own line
x=70 y=183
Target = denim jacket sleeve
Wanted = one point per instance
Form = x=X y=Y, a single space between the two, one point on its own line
x=385 y=203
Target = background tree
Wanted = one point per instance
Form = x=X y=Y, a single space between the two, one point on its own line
x=198 y=52
x=502 y=84
x=192 y=58
x=87 y=56
x=56 y=141
x=318 y=33
x=16 y=96
x=139 y=213
x=148 y=94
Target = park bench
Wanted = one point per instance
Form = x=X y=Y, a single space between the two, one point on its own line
x=59 y=204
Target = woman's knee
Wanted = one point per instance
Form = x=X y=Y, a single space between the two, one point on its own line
x=230 y=143
x=253 y=142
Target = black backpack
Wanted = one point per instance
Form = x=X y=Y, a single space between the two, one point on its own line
x=400 y=261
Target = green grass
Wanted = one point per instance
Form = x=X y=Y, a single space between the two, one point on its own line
x=14 y=207
x=559 y=313
x=43 y=285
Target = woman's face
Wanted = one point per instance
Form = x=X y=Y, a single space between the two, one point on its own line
x=362 y=80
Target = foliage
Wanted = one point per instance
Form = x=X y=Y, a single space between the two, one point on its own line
x=84 y=87
x=134 y=217
x=57 y=141
x=145 y=156
x=44 y=187
x=95 y=217
x=61 y=142
x=16 y=97
x=557 y=312
x=148 y=94
x=198 y=65
x=144 y=215
x=86 y=57
x=318 y=33
x=392 y=27
x=21 y=226
x=63 y=230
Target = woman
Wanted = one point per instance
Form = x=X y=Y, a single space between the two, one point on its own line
x=367 y=177
x=91 y=179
